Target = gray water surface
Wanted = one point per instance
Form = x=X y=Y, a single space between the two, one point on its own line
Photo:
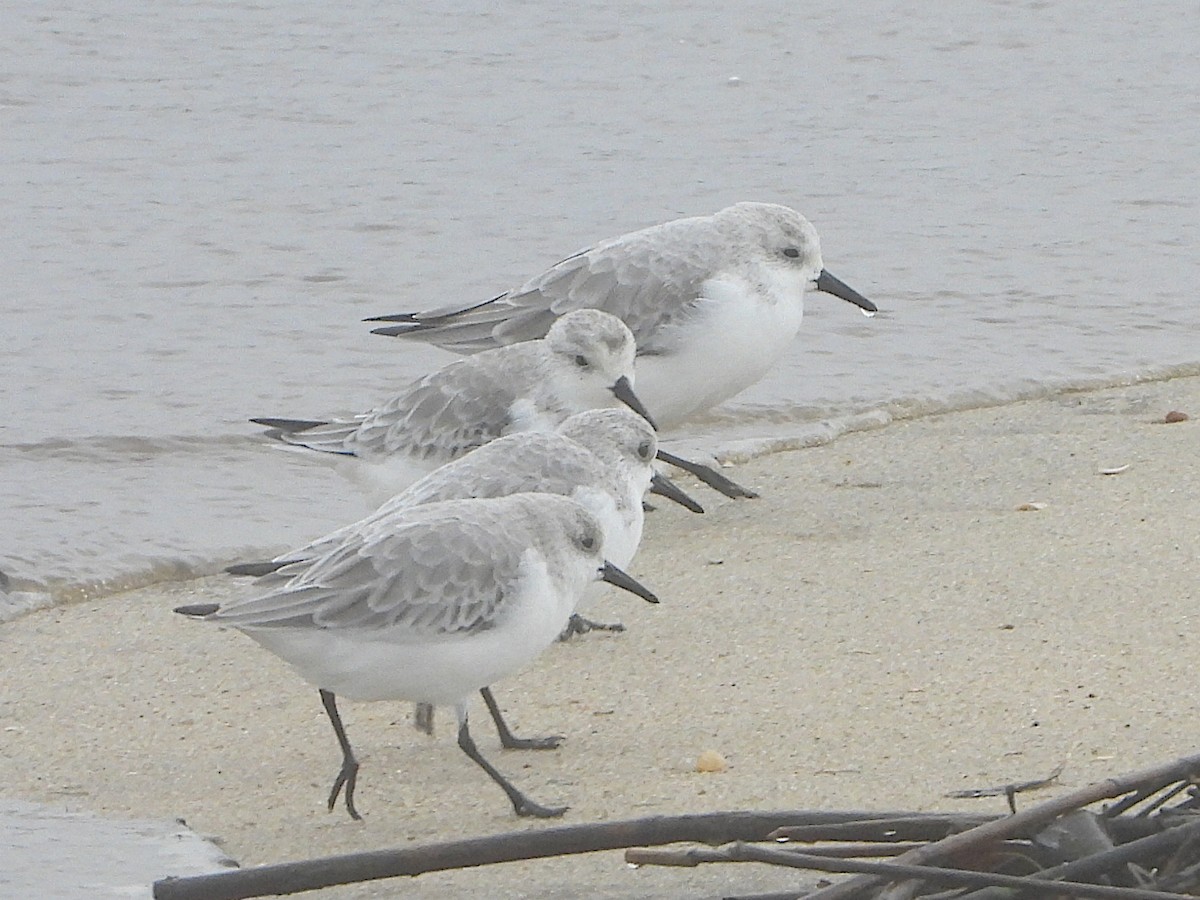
x=202 y=199
x=65 y=855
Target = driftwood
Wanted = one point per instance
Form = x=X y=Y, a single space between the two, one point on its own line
x=1064 y=848
x=976 y=840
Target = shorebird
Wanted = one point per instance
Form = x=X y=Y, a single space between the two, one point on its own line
x=713 y=302
x=430 y=604
x=584 y=362
x=602 y=459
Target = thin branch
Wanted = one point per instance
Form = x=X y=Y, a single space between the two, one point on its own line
x=1164 y=798
x=685 y=856
x=743 y=852
x=1127 y=803
x=1010 y=790
x=1140 y=850
x=867 y=849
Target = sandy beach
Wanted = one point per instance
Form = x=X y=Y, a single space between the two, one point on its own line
x=950 y=602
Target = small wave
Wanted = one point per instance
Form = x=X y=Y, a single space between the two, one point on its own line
x=786 y=429
x=124 y=446
x=19 y=596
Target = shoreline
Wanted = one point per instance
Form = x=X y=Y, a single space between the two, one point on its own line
x=734 y=443
x=954 y=601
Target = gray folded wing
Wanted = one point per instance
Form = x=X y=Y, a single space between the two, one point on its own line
x=648 y=279
x=535 y=462
x=421 y=577
x=448 y=412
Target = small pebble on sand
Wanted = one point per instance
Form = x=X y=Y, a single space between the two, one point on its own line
x=711 y=761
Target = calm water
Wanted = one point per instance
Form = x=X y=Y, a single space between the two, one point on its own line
x=201 y=200
x=68 y=855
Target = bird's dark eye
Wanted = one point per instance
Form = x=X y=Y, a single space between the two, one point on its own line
x=791 y=251
x=581 y=361
x=588 y=542
x=644 y=450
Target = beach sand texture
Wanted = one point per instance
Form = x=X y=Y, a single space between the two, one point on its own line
x=898 y=616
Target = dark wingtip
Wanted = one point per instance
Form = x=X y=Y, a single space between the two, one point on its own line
x=255 y=569
x=198 y=610
x=396 y=330
x=393 y=317
x=288 y=426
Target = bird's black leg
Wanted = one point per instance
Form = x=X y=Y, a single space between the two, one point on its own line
x=577 y=624
x=348 y=776
x=521 y=804
x=510 y=741
x=423 y=717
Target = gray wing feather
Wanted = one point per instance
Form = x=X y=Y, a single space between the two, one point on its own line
x=530 y=462
x=429 y=577
x=446 y=413
x=648 y=279
x=331 y=437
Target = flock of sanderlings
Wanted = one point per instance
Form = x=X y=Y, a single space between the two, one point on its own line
x=513 y=479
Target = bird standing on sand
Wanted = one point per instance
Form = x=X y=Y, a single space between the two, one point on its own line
x=430 y=604
x=713 y=302
x=602 y=459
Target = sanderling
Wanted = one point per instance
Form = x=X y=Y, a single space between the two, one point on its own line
x=584 y=362
x=428 y=603
x=602 y=459
x=713 y=302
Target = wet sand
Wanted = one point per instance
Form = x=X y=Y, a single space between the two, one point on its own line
x=952 y=602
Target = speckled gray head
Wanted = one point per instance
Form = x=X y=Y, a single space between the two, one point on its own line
x=614 y=434
x=773 y=232
x=780 y=235
x=597 y=348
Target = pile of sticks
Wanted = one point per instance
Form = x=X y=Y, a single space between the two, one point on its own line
x=1144 y=846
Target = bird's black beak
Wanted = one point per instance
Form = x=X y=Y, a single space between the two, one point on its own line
x=839 y=288
x=623 y=391
x=614 y=576
x=663 y=486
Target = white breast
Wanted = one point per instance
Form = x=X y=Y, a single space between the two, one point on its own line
x=738 y=333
